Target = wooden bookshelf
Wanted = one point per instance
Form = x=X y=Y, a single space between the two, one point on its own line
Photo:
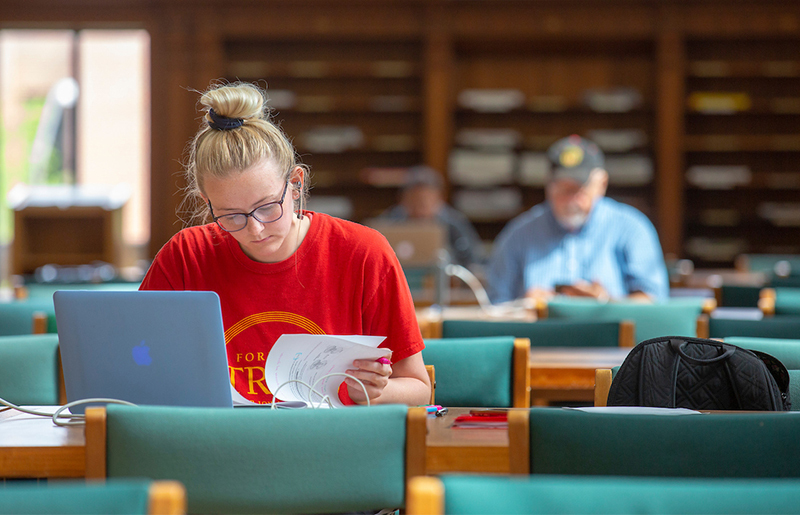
x=395 y=69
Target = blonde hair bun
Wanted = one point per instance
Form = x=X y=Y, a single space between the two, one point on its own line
x=239 y=100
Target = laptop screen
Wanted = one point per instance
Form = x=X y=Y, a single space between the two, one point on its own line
x=145 y=347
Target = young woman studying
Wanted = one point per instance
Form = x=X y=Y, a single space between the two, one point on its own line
x=278 y=268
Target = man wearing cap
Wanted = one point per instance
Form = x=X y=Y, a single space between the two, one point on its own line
x=578 y=242
x=422 y=199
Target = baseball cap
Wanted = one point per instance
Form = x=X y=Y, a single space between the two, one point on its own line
x=574 y=158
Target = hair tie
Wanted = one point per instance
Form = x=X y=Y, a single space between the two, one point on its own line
x=223 y=123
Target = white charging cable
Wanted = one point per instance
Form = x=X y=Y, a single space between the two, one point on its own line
x=72 y=419
x=324 y=399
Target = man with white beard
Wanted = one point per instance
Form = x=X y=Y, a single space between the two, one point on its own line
x=578 y=242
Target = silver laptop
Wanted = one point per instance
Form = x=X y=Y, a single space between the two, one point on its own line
x=415 y=243
x=146 y=347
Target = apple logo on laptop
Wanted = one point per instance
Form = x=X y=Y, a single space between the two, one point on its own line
x=141 y=354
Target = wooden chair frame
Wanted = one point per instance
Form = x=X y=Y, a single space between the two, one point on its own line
x=766 y=301
x=432 y=376
x=521 y=393
x=416 y=432
x=602 y=384
x=425 y=496
x=166 y=498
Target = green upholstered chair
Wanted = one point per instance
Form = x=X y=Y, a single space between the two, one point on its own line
x=255 y=460
x=16 y=317
x=29 y=369
x=785 y=326
x=46 y=290
x=785 y=350
x=739 y=296
x=481 y=371
x=547 y=333
x=42 y=295
x=81 y=498
x=560 y=441
x=766 y=263
x=675 y=317
x=787 y=301
x=554 y=495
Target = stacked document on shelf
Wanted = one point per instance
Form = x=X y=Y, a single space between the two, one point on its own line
x=718 y=177
x=716 y=249
x=534 y=168
x=612 y=100
x=482 y=419
x=781 y=214
x=618 y=140
x=310 y=358
x=491 y=100
x=332 y=138
x=719 y=102
x=281 y=99
x=629 y=170
x=488 y=138
x=481 y=168
x=334 y=205
x=489 y=204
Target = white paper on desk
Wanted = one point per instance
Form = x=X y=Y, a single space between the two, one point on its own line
x=309 y=357
x=637 y=410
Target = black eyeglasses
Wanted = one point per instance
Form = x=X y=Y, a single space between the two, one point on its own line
x=266 y=213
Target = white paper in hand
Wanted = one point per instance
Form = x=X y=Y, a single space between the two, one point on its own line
x=309 y=357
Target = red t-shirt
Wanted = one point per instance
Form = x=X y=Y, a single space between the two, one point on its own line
x=343 y=279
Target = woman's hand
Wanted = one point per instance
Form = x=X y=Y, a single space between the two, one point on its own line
x=373 y=374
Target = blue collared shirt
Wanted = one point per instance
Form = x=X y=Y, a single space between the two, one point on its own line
x=617 y=247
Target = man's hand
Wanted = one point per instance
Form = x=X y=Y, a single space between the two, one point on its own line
x=593 y=290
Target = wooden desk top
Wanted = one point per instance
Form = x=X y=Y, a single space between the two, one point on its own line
x=578 y=357
x=465 y=450
x=33 y=447
x=559 y=374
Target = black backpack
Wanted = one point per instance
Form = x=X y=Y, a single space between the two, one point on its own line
x=698 y=373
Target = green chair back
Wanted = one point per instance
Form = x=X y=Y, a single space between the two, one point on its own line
x=766 y=262
x=543 y=333
x=675 y=317
x=16 y=317
x=113 y=497
x=700 y=445
x=29 y=369
x=769 y=327
x=738 y=296
x=555 y=495
x=787 y=301
x=794 y=389
x=46 y=290
x=472 y=372
x=785 y=350
x=265 y=461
